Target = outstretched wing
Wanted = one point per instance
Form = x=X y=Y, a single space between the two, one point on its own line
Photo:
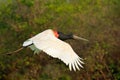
x=47 y=42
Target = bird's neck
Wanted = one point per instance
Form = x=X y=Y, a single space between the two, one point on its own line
x=62 y=36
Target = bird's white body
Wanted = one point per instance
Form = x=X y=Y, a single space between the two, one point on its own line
x=47 y=42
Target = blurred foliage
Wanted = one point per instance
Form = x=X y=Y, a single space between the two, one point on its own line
x=98 y=21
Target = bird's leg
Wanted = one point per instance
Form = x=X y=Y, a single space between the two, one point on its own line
x=15 y=51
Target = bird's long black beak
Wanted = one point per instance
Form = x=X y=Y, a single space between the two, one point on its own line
x=79 y=38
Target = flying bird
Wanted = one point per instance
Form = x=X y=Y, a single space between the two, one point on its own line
x=52 y=42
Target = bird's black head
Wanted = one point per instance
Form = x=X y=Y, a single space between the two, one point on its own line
x=63 y=36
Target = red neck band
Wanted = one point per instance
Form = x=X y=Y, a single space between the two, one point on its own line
x=56 y=33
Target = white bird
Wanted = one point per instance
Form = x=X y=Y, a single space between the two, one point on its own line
x=52 y=43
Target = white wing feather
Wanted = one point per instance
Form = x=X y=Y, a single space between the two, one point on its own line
x=47 y=42
x=36 y=50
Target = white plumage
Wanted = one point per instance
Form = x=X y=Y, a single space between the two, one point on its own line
x=47 y=42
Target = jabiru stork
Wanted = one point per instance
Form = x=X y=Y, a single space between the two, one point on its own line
x=52 y=43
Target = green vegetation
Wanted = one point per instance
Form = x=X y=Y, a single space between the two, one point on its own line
x=98 y=21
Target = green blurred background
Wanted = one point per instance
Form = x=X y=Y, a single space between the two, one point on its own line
x=96 y=20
